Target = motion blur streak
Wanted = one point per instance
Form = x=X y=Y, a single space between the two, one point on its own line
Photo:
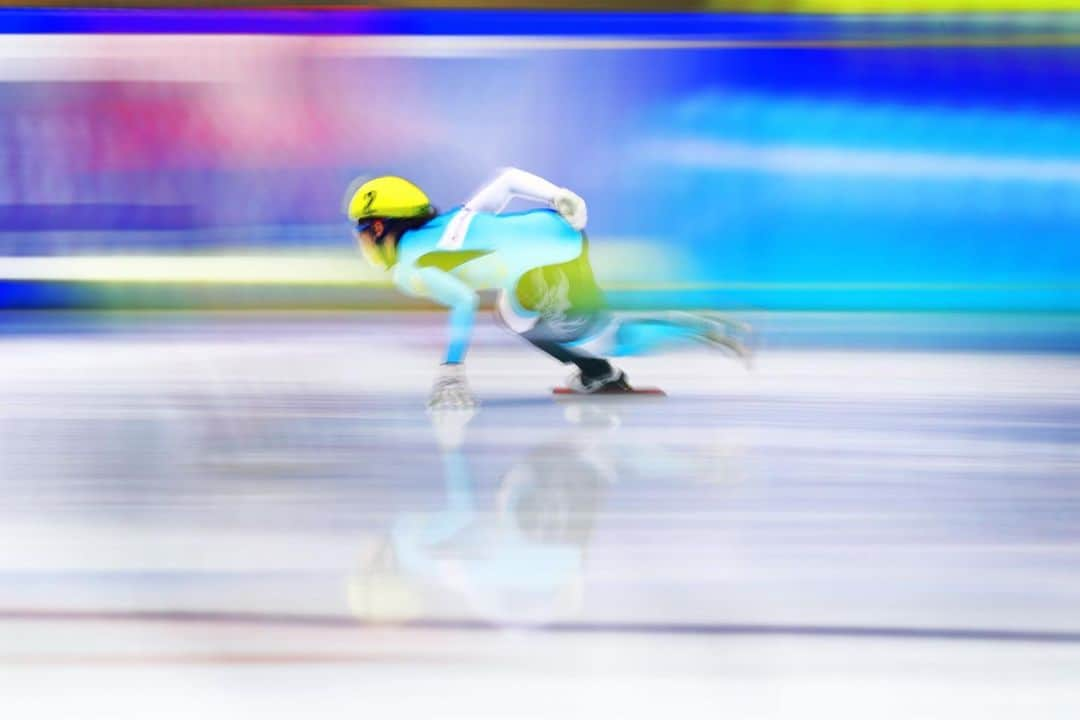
x=222 y=492
x=916 y=156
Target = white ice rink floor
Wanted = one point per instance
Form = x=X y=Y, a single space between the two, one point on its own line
x=255 y=517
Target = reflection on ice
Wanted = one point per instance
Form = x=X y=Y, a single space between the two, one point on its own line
x=517 y=556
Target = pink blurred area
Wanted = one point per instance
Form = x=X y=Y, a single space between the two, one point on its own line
x=234 y=103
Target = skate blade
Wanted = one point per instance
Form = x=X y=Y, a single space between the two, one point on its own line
x=565 y=393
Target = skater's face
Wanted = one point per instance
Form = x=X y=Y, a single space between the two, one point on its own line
x=372 y=230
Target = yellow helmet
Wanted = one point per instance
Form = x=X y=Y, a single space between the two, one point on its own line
x=388 y=197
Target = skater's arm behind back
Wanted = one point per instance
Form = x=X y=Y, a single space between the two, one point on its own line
x=511 y=183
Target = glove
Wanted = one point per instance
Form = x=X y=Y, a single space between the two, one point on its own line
x=450 y=391
x=572 y=208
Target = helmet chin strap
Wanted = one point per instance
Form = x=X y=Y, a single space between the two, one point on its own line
x=388 y=249
x=382 y=252
x=373 y=255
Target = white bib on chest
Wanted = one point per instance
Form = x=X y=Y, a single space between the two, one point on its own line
x=454 y=235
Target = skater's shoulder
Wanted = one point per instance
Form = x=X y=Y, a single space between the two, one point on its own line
x=430 y=231
x=443 y=218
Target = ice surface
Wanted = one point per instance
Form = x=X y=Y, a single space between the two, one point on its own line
x=251 y=516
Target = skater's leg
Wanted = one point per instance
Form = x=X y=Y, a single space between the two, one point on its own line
x=589 y=365
x=554 y=336
x=644 y=335
x=595 y=374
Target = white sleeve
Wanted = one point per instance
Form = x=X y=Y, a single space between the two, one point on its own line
x=511 y=183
